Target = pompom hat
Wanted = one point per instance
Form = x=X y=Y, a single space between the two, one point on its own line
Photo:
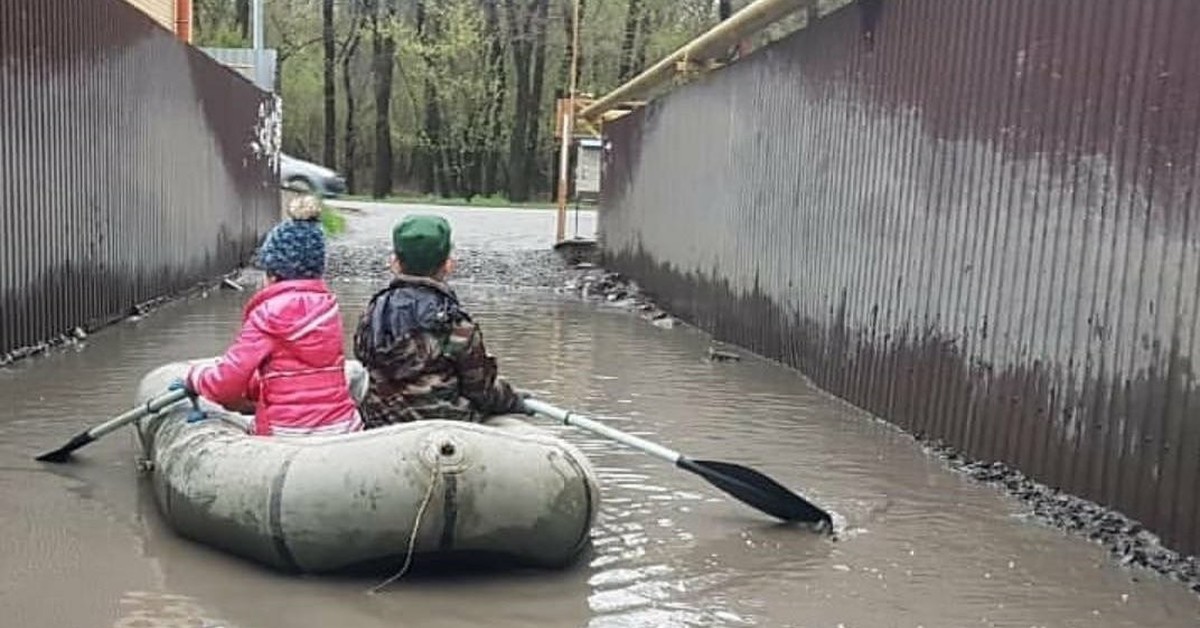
x=295 y=248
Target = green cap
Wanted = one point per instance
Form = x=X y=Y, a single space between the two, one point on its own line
x=421 y=243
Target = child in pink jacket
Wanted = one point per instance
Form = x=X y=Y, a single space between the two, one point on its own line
x=287 y=359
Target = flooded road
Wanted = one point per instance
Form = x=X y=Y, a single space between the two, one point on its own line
x=81 y=544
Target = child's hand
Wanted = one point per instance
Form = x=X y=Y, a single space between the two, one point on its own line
x=522 y=396
x=195 y=414
x=181 y=384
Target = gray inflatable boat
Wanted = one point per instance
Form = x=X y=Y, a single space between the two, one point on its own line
x=503 y=492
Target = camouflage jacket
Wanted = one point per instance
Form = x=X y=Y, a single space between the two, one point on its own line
x=426 y=358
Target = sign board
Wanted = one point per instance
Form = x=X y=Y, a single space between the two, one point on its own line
x=587 y=167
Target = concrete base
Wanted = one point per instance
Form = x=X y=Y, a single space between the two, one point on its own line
x=578 y=250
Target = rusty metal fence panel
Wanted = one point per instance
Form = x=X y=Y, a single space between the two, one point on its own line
x=975 y=219
x=131 y=166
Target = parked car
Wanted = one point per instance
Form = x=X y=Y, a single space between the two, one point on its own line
x=305 y=176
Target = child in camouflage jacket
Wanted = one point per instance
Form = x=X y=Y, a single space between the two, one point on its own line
x=425 y=356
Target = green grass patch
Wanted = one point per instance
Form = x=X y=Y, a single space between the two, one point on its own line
x=333 y=221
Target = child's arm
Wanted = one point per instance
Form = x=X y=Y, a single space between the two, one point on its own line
x=233 y=378
x=478 y=379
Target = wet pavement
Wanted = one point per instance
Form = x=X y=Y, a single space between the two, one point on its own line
x=81 y=544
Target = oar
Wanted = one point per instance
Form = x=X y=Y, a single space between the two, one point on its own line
x=747 y=485
x=62 y=454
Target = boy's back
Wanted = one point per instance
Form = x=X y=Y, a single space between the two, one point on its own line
x=425 y=355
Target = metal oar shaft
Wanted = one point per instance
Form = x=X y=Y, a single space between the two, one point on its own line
x=743 y=483
x=152 y=406
x=578 y=420
x=62 y=454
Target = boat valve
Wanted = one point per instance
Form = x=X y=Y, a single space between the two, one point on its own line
x=445 y=452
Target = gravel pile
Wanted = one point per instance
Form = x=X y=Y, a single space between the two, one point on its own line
x=595 y=284
x=1127 y=541
x=352 y=261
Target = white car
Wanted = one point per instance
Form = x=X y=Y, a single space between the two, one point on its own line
x=304 y=176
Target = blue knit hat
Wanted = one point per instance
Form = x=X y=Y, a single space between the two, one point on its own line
x=295 y=248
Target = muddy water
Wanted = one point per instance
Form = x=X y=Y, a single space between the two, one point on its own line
x=81 y=545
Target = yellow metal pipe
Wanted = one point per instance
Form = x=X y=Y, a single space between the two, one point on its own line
x=717 y=40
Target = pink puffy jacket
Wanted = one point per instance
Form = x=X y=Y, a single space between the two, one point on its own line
x=288 y=360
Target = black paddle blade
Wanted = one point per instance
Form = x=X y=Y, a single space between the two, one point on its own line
x=63 y=454
x=759 y=491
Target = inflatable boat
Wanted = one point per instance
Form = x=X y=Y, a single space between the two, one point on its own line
x=503 y=491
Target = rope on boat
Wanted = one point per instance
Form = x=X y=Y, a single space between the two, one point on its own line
x=412 y=539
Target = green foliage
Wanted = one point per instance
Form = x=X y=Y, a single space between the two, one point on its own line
x=225 y=37
x=301 y=93
x=443 y=61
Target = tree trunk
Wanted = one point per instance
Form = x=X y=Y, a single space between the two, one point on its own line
x=383 y=45
x=518 y=23
x=469 y=164
x=518 y=185
x=490 y=182
x=639 y=53
x=350 y=143
x=242 y=16
x=431 y=166
x=329 y=154
x=568 y=17
x=535 y=101
x=582 y=50
x=627 y=69
x=448 y=172
x=433 y=176
x=528 y=34
x=724 y=9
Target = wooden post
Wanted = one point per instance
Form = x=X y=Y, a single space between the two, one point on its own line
x=568 y=132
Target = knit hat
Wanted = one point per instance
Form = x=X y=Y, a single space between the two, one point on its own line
x=421 y=243
x=295 y=248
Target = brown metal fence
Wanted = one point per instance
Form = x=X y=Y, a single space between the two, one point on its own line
x=131 y=166
x=975 y=219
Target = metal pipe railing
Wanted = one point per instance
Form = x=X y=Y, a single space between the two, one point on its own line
x=751 y=19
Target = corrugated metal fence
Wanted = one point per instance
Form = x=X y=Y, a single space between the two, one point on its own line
x=131 y=165
x=975 y=219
